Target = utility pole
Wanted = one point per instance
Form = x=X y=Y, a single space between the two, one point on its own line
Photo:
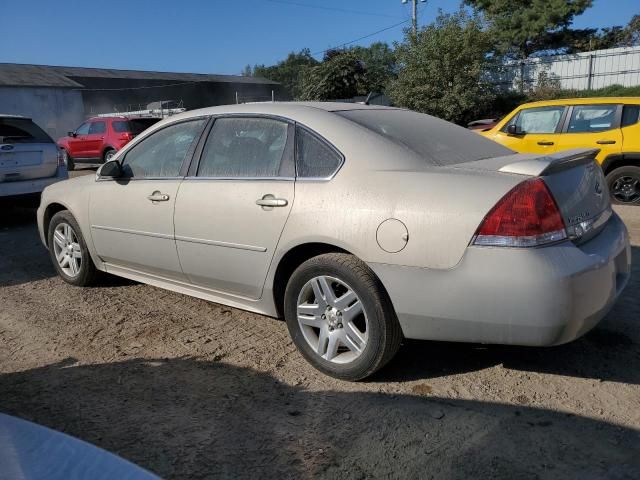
x=415 y=14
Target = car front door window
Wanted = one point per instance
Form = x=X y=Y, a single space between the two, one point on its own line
x=538 y=120
x=83 y=129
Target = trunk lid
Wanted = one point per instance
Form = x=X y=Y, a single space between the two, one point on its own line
x=575 y=180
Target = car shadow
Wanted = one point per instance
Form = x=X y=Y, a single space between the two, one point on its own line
x=188 y=418
x=611 y=351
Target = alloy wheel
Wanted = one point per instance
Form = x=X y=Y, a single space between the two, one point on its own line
x=332 y=319
x=66 y=248
x=626 y=189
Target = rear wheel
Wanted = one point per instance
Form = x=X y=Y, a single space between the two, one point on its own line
x=68 y=161
x=624 y=185
x=69 y=252
x=340 y=317
x=108 y=155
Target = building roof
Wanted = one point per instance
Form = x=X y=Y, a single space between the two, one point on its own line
x=24 y=75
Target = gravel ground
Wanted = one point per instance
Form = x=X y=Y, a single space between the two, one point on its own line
x=191 y=389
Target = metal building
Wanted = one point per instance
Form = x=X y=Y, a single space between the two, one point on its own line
x=60 y=98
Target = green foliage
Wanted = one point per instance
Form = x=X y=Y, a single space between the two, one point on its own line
x=523 y=27
x=340 y=76
x=289 y=72
x=379 y=61
x=442 y=71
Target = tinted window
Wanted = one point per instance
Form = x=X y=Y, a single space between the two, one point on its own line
x=120 y=126
x=437 y=141
x=21 y=130
x=83 y=129
x=245 y=147
x=97 y=127
x=161 y=154
x=592 y=118
x=630 y=115
x=538 y=120
x=314 y=158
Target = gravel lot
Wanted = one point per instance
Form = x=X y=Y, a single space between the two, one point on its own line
x=190 y=389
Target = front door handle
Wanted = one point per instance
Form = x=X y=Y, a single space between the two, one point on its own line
x=606 y=142
x=158 y=197
x=271 y=201
x=545 y=143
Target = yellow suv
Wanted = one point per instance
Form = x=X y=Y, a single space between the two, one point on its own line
x=610 y=124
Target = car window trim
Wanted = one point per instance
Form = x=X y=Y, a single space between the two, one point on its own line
x=325 y=142
x=617 y=120
x=287 y=155
x=185 y=162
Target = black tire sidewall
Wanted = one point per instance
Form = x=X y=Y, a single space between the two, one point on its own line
x=87 y=268
x=628 y=170
x=70 y=163
x=374 y=307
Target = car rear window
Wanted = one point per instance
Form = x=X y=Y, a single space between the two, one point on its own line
x=437 y=141
x=135 y=125
x=21 y=130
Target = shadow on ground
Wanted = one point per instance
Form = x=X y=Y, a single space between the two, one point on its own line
x=184 y=418
x=609 y=352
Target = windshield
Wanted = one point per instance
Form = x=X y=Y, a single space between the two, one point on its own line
x=437 y=141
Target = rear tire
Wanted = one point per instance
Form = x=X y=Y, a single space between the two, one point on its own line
x=108 y=155
x=69 y=252
x=624 y=185
x=349 y=333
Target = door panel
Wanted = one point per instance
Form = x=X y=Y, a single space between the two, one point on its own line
x=225 y=240
x=78 y=145
x=132 y=231
x=529 y=143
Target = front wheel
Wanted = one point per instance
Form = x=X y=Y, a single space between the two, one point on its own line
x=624 y=185
x=68 y=161
x=69 y=252
x=340 y=317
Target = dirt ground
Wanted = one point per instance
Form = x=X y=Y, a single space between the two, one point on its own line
x=191 y=389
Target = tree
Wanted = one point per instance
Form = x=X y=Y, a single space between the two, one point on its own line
x=523 y=27
x=443 y=70
x=379 y=61
x=340 y=76
x=289 y=72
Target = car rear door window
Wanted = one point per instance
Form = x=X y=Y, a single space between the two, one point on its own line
x=161 y=154
x=592 y=118
x=97 y=128
x=314 y=157
x=630 y=115
x=242 y=147
x=538 y=120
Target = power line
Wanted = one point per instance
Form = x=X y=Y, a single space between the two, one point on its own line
x=333 y=9
x=361 y=38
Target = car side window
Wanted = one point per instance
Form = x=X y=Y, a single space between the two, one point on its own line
x=592 y=118
x=630 y=115
x=97 y=128
x=83 y=129
x=314 y=157
x=239 y=147
x=162 y=153
x=537 y=120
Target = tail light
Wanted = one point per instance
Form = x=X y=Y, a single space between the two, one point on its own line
x=127 y=136
x=527 y=216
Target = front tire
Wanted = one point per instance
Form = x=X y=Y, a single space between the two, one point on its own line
x=69 y=252
x=68 y=161
x=340 y=317
x=624 y=185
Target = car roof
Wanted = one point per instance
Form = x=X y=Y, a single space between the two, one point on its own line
x=7 y=115
x=584 y=101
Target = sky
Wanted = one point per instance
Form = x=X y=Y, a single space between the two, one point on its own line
x=214 y=36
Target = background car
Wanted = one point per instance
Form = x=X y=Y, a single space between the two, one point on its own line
x=99 y=138
x=609 y=124
x=29 y=158
x=360 y=225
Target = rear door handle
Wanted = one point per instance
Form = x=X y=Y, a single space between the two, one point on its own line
x=271 y=201
x=606 y=142
x=545 y=143
x=158 y=197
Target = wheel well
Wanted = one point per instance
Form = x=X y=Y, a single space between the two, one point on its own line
x=49 y=212
x=627 y=160
x=292 y=260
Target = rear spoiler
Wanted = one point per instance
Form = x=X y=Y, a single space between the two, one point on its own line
x=549 y=164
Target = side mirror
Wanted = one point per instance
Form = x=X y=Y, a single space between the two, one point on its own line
x=72 y=134
x=111 y=169
x=515 y=130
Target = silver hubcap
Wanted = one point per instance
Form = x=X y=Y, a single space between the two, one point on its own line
x=332 y=319
x=67 y=249
x=109 y=155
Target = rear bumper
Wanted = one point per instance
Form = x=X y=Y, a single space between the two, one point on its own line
x=538 y=296
x=27 y=187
